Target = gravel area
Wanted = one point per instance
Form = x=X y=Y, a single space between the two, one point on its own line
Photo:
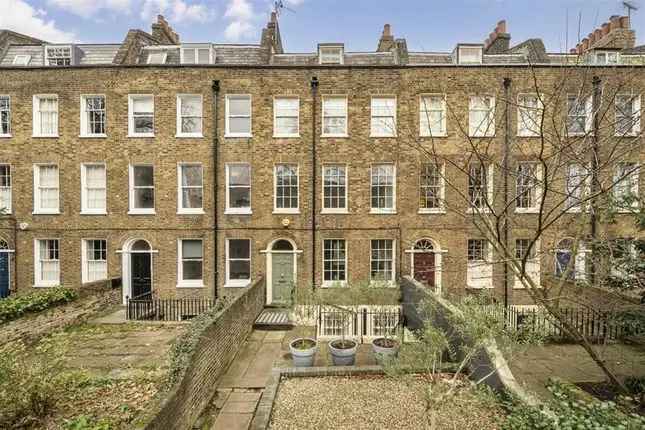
x=376 y=402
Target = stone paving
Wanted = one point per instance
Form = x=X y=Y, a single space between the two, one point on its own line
x=536 y=365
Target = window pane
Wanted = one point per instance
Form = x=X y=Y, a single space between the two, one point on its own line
x=192 y=198
x=191 y=176
x=189 y=56
x=192 y=270
x=203 y=55
x=191 y=249
x=239 y=106
x=239 y=125
x=239 y=248
x=240 y=269
x=143 y=124
x=143 y=176
x=142 y=105
x=239 y=175
x=144 y=198
x=240 y=197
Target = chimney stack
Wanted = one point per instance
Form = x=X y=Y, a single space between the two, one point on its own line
x=163 y=32
x=386 y=42
x=614 y=34
x=499 y=40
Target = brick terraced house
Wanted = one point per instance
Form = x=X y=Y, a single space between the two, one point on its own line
x=192 y=169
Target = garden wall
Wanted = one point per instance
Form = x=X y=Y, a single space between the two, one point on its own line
x=215 y=349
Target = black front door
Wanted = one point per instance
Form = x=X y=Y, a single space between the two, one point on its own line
x=4 y=275
x=140 y=274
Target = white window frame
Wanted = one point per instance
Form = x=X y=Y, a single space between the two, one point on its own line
x=327 y=52
x=584 y=193
x=442 y=190
x=227 y=132
x=238 y=211
x=196 y=48
x=179 y=132
x=521 y=108
x=71 y=55
x=21 y=60
x=636 y=125
x=323 y=117
x=8 y=209
x=84 y=194
x=38 y=281
x=490 y=175
x=276 y=209
x=37 y=209
x=475 y=130
x=188 y=283
x=8 y=110
x=164 y=57
x=37 y=125
x=238 y=283
x=131 y=128
x=180 y=200
x=633 y=179
x=388 y=282
x=374 y=118
x=140 y=211
x=386 y=211
x=276 y=132
x=588 y=105
x=532 y=270
x=343 y=210
x=484 y=279
x=607 y=55
x=85 y=278
x=480 y=54
x=424 y=110
x=329 y=284
x=84 y=120
x=538 y=188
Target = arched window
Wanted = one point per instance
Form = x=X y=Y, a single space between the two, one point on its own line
x=423 y=245
x=282 y=245
x=141 y=245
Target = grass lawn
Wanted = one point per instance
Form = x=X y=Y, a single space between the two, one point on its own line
x=381 y=402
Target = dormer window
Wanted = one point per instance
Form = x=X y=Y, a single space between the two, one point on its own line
x=21 y=60
x=193 y=54
x=469 y=54
x=58 y=55
x=606 y=57
x=330 y=54
x=158 y=57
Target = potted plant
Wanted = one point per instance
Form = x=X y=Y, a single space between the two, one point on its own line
x=303 y=351
x=343 y=350
x=386 y=347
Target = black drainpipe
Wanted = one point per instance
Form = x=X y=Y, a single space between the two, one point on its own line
x=505 y=161
x=215 y=88
x=595 y=183
x=314 y=178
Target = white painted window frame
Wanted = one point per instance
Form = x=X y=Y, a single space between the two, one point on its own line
x=21 y=60
x=37 y=125
x=131 y=129
x=164 y=57
x=8 y=209
x=37 y=209
x=84 y=120
x=384 y=211
x=84 y=191
x=532 y=269
x=276 y=132
x=227 y=132
x=188 y=283
x=521 y=107
x=480 y=54
x=586 y=189
x=179 y=132
x=344 y=210
x=196 y=48
x=374 y=117
x=490 y=190
x=38 y=282
x=636 y=114
x=331 y=284
x=389 y=283
x=328 y=51
x=238 y=283
x=485 y=265
x=238 y=211
x=180 y=209
x=588 y=104
x=633 y=180
x=8 y=97
x=424 y=110
x=442 y=191
x=85 y=262
x=140 y=211
x=71 y=55
x=276 y=209
x=323 y=117
x=538 y=189
x=475 y=130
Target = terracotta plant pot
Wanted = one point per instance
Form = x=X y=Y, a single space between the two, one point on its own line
x=343 y=352
x=385 y=349
x=303 y=351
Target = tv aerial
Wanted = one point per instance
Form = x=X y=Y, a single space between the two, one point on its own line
x=278 y=7
x=630 y=5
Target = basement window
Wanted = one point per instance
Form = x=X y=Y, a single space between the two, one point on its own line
x=58 y=55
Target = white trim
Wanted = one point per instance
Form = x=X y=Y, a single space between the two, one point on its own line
x=474 y=130
x=344 y=210
x=393 y=133
x=444 y=122
x=36 y=124
x=485 y=278
x=54 y=46
x=636 y=126
x=339 y=48
x=8 y=97
x=238 y=211
x=588 y=105
x=126 y=264
x=178 y=132
x=521 y=132
x=227 y=132
x=163 y=58
x=180 y=209
x=37 y=264
x=17 y=60
x=480 y=54
x=442 y=191
x=332 y=284
x=269 y=264
x=84 y=209
x=131 y=129
x=196 y=47
x=276 y=209
x=9 y=209
x=83 y=120
x=140 y=211
x=538 y=189
x=85 y=262
x=275 y=117
x=237 y=283
x=322 y=116
x=387 y=283
x=385 y=211
x=36 y=190
x=181 y=282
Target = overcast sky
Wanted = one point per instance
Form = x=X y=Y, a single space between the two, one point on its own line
x=426 y=24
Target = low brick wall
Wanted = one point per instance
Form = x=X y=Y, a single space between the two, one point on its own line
x=215 y=350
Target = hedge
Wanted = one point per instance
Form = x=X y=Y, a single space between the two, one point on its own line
x=15 y=307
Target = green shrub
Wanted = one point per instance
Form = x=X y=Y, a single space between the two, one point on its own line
x=83 y=422
x=568 y=410
x=17 y=306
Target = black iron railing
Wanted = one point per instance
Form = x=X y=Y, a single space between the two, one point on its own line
x=147 y=308
x=359 y=322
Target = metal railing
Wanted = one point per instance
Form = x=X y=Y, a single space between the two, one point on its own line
x=147 y=308
x=362 y=322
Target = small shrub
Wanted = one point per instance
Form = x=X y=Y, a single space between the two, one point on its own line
x=17 y=306
x=83 y=422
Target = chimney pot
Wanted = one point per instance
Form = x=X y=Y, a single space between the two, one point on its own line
x=605 y=28
x=614 y=22
x=501 y=26
x=624 y=22
x=387 y=31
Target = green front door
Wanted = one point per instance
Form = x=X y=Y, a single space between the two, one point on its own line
x=281 y=278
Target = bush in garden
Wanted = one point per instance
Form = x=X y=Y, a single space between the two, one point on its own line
x=14 y=307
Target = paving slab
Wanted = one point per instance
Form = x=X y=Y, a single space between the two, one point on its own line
x=228 y=421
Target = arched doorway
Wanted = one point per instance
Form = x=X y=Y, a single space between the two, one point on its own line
x=137 y=269
x=282 y=271
x=5 y=269
x=425 y=262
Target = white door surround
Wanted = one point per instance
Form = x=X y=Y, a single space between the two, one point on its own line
x=126 y=253
x=437 y=251
x=269 y=251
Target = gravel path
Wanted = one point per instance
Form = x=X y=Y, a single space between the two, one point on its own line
x=375 y=402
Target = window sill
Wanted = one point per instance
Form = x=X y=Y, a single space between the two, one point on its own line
x=238 y=212
x=632 y=134
x=627 y=211
x=189 y=136
x=286 y=136
x=92 y=136
x=236 y=135
x=47 y=285
x=334 y=212
x=338 y=136
x=141 y=212
x=382 y=284
x=476 y=211
x=334 y=284
x=286 y=211
x=190 y=212
x=130 y=135
x=46 y=212
x=198 y=284
x=94 y=213
x=431 y=212
x=527 y=210
x=5 y=135
x=383 y=211
x=586 y=133
x=471 y=287
x=429 y=136
x=45 y=136
x=237 y=284
x=383 y=136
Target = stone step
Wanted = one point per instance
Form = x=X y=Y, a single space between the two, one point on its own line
x=274 y=319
